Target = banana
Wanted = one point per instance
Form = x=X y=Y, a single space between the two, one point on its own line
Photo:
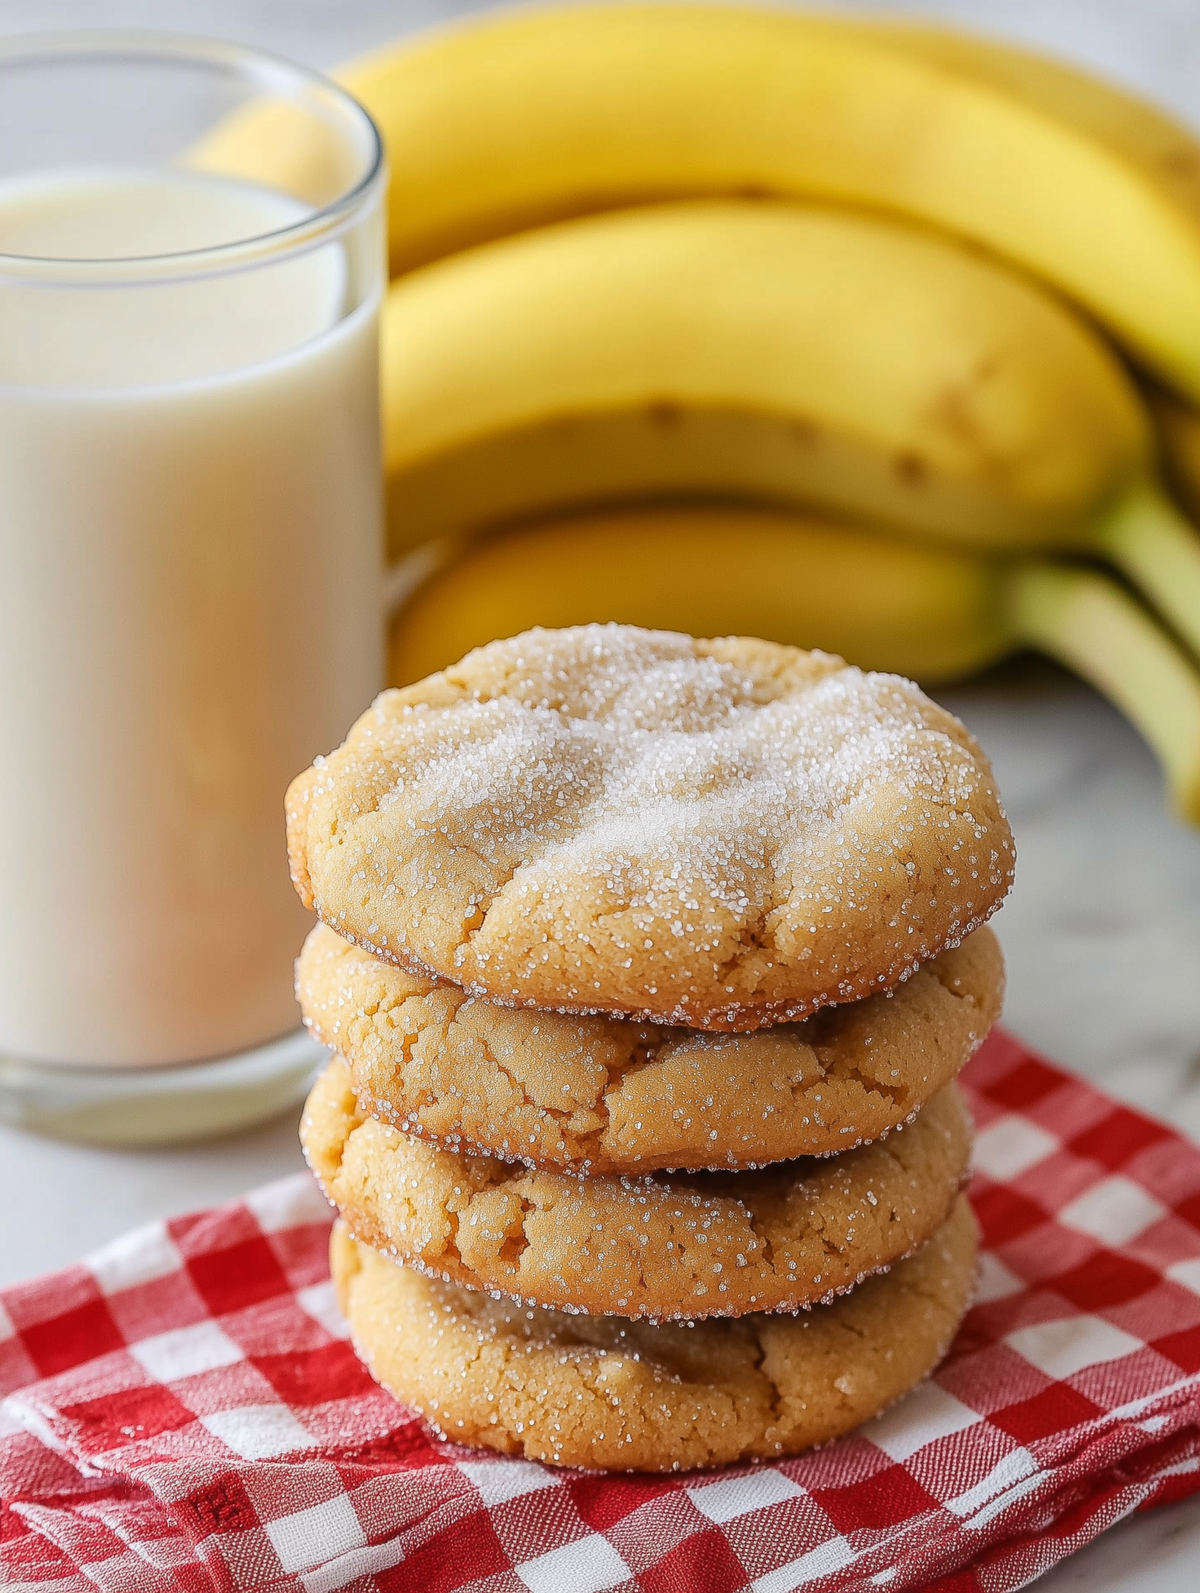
x=782 y=353
x=915 y=610
x=876 y=600
x=510 y=121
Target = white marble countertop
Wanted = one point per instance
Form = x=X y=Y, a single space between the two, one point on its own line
x=1102 y=932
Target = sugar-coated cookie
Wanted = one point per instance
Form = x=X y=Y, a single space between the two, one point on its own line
x=602 y=1391
x=722 y=834
x=603 y=1094
x=658 y=1246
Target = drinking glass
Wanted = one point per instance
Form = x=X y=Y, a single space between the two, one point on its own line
x=192 y=261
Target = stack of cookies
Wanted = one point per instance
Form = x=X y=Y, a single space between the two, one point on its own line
x=648 y=964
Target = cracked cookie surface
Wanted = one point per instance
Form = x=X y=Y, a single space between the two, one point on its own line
x=602 y=1391
x=722 y=834
x=658 y=1246
x=602 y=1094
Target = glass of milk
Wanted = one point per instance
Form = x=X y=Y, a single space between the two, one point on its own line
x=191 y=268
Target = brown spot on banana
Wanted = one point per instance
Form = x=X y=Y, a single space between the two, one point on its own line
x=665 y=413
x=911 y=468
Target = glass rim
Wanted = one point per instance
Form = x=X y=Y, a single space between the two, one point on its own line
x=323 y=224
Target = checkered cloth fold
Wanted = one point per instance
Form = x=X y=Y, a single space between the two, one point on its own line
x=184 y=1411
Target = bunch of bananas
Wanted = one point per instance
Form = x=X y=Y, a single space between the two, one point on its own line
x=730 y=319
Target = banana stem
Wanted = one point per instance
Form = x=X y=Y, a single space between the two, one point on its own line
x=1148 y=538
x=1090 y=624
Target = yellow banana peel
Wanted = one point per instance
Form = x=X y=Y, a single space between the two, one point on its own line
x=519 y=118
x=928 y=612
x=786 y=354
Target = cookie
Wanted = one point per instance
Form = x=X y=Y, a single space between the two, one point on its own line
x=601 y=1391
x=721 y=834
x=601 y=1094
x=658 y=1246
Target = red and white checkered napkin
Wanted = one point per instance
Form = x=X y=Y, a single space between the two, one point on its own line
x=184 y=1411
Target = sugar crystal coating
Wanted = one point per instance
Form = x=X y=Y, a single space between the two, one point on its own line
x=717 y=833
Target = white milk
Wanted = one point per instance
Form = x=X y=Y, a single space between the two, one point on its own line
x=189 y=588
